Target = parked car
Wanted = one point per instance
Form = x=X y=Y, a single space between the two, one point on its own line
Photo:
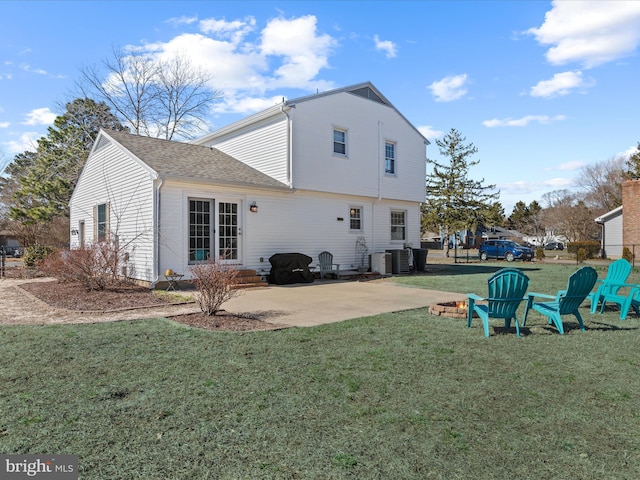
x=554 y=246
x=506 y=249
x=12 y=252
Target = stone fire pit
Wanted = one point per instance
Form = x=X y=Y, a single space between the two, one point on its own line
x=450 y=309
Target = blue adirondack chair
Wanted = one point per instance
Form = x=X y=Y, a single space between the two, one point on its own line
x=506 y=290
x=617 y=275
x=565 y=302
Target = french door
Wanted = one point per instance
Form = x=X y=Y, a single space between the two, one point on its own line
x=214 y=230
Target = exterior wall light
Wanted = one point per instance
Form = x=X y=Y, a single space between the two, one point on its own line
x=253 y=208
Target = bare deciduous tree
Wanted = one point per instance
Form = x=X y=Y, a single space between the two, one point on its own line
x=154 y=97
x=567 y=214
x=602 y=184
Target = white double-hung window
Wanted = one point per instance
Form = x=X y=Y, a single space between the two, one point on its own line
x=390 y=158
x=339 y=141
x=398 y=225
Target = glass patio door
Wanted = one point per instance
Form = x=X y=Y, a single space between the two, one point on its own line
x=228 y=241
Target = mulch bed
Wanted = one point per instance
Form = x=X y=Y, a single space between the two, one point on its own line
x=74 y=297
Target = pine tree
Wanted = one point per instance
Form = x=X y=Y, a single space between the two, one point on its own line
x=455 y=202
x=633 y=164
x=39 y=184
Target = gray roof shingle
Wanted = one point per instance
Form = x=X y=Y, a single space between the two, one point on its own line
x=189 y=161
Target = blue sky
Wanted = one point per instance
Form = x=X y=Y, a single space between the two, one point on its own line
x=540 y=88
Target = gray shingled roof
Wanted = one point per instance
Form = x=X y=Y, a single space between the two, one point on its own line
x=188 y=161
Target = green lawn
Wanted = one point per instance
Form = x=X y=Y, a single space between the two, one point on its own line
x=397 y=396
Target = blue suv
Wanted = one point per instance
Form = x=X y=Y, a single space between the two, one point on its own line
x=506 y=249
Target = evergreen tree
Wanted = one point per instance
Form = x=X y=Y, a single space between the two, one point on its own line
x=39 y=184
x=455 y=202
x=633 y=164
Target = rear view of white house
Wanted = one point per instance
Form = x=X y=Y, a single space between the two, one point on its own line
x=318 y=173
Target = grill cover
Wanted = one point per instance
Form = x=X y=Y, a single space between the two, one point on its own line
x=289 y=268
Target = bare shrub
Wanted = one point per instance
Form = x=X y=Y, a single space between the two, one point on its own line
x=214 y=282
x=95 y=266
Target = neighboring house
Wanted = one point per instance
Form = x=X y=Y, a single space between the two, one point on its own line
x=611 y=233
x=631 y=219
x=500 y=233
x=307 y=175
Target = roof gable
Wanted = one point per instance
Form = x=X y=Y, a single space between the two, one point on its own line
x=187 y=161
x=364 y=90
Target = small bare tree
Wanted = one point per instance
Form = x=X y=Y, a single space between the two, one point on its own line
x=215 y=283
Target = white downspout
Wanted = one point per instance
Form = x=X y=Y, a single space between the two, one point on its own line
x=156 y=232
x=289 y=145
x=373 y=207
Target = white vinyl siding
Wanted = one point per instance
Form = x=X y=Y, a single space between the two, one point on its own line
x=111 y=177
x=263 y=146
x=368 y=125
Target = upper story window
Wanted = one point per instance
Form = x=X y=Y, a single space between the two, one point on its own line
x=390 y=158
x=398 y=225
x=339 y=141
x=355 y=218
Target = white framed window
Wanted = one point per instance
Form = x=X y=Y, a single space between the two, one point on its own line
x=340 y=141
x=398 y=225
x=390 y=158
x=200 y=228
x=355 y=218
x=101 y=222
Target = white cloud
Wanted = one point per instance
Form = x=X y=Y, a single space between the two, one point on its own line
x=561 y=84
x=589 y=32
x=522 y=122
x=183 y=20
x=40 y=116
x=571 y=166
x=245 y=105
x=386 y=46
x=430 y=133
x=449 y=88
x=304 y=53
x=246 y=62
x=559 y=183
x=26 y=142
x=4 y=124
x=627 y=153
x=235 y=30
x=27 y=68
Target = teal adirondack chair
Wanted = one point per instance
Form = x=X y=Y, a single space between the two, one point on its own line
x=626 y=297
x=617 y=275
x=565 y=302
x=506 y=290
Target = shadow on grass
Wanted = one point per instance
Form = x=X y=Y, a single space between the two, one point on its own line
x=477 y=269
